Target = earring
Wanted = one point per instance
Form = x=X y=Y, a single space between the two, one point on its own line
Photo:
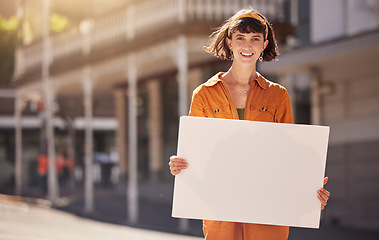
x=261 y=57
x=231 y=55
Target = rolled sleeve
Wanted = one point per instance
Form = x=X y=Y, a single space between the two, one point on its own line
x=284 y=111
x=197 y=105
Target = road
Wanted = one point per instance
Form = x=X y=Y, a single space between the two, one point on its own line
x=21 y=221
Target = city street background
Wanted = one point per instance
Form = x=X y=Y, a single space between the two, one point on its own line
x=91 y=93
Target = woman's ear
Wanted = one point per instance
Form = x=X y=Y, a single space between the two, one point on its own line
x=265 y=44
x=229 y=43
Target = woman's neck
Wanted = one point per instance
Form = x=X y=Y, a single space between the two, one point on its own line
x=242 y=75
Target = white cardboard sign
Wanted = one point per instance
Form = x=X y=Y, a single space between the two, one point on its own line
x=247 y=171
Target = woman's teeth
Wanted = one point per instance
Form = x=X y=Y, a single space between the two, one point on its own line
x=247 y=54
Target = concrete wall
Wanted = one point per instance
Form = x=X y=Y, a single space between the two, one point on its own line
x=352 y=111
x=338 y=18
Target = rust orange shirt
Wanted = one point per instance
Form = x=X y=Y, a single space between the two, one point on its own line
x=267 y=102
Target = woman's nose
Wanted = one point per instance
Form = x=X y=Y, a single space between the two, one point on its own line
x=247 y=44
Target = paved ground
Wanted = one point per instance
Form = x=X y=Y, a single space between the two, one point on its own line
x=111 y=215
x=20 y=221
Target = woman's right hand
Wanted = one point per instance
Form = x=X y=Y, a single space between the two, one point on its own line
x=177 y=165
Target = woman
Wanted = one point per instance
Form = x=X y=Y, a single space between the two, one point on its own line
x=242 y=93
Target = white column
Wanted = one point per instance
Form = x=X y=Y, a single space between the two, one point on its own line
x=315 y=98
x=182 y=11
x=88 y=184
x=182 y=63
x=19 y=52
x=86 y=36
x=318 y=90
x=18 y=167
x=155 y=130
x=130 y=23
x=132 y=193
x=182 y=77
x=48 y=101
x=120 y=106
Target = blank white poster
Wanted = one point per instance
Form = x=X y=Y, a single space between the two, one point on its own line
x=247 y=171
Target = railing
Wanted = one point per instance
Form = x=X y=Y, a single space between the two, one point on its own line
x=66 y=44
x=136 y=21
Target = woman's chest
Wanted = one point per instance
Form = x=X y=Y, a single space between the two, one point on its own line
x=259 y=105
x=239 y=96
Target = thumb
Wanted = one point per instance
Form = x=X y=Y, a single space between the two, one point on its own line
x=325 y=180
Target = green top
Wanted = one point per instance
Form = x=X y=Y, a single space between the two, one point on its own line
x=241 y=113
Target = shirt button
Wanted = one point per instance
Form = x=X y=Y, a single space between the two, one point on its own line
x=264 y=109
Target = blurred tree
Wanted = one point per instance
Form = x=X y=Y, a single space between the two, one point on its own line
x=8 y=37
x=58 y=23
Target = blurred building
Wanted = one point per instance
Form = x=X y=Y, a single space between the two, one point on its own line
x=137 y=61
x=332 y=73
x=125 y=70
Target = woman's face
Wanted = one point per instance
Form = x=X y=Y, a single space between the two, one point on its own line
x=246 y=47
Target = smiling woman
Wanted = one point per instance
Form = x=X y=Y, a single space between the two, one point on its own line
x=242 y=93
x=245 y=21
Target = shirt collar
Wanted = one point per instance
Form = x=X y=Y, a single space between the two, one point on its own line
x=262 y=82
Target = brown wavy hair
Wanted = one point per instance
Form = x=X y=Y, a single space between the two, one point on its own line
x=253 y=22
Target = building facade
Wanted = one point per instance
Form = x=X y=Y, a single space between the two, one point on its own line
x=129 y=70
x=334 y=66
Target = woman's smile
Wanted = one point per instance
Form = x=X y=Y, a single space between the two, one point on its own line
x=247 y=54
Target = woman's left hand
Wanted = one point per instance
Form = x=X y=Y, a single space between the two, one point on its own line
x=323 y=195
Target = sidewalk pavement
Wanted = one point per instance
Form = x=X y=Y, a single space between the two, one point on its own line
x=155 y=205
x=22 y=221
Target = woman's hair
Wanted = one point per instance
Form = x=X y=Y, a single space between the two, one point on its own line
x=246 y=21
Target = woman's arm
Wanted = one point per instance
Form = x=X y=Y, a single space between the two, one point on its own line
x=284 y=112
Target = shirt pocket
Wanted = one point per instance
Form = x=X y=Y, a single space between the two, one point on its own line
x=262 y=112
x=218 y=111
